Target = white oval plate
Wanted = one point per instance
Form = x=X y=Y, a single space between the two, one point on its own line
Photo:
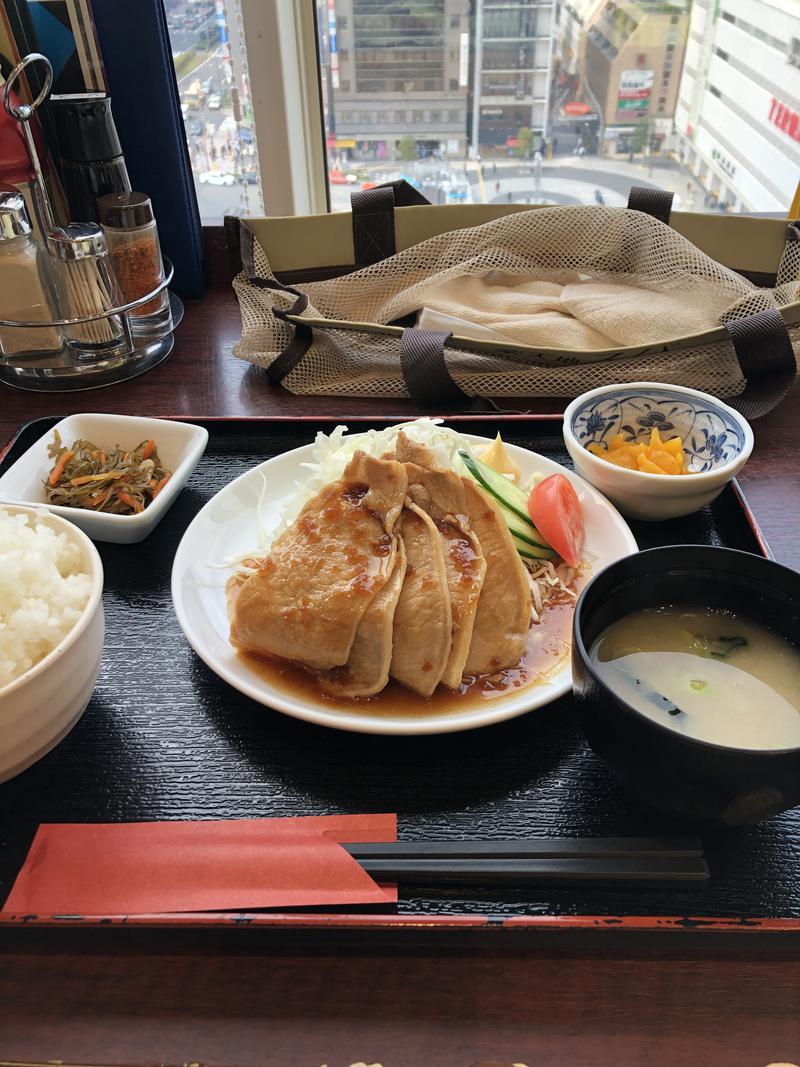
x=227 y=527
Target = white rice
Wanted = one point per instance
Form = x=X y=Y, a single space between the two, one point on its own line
x=43 y=591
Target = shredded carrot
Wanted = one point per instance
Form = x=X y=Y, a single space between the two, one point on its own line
x=126 y=498
x=160 y=485
x=149 y=449
x=99 y=500
x=58 y=470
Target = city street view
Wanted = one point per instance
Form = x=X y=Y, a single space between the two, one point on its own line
x=517 y=101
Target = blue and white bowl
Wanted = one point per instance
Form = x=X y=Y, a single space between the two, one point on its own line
x=717 y=442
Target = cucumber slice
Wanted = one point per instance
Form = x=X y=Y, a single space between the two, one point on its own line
x=522 y=531
x=512 y=498
x=528 y=551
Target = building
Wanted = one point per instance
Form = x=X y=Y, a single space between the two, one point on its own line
x=574 y=17
x=738 y=114
x=512 y=72
x=632 y=64
x=395 y=71
x=445 y=73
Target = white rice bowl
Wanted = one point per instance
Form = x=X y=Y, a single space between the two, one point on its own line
x=51 y=632
x=44 y=588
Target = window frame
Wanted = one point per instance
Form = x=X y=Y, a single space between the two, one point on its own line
x=286 y=98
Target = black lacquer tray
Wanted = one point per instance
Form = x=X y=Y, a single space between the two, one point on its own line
x=164 y=738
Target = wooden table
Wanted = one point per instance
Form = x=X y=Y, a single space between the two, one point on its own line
x=545 y=999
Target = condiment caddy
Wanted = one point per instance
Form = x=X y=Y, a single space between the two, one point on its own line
x=89 y=305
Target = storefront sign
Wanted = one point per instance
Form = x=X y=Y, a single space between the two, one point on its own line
x=723 y=162
x=463 y=60
x=785 y=119
x=635 y=84
x=332 y=45
x=633 y=96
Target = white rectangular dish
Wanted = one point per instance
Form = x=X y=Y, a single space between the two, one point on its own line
x=180 y=446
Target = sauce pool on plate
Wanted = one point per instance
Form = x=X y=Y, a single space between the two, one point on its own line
x=546 y=649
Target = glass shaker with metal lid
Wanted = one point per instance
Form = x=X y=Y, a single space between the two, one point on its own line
x=86 y=290
x=132 y=236
x=26 y=287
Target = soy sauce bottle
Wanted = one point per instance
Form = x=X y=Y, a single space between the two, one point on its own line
x=92 y=163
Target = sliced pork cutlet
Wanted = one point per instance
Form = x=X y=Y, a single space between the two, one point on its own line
x=423 y=623
x=307 y=599
x=442 y=495
x=504 y=609
x=367 y=669
x=503 y=614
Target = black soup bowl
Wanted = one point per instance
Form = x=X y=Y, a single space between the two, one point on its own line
x=679 y=774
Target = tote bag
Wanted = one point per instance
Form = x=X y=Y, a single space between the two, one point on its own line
x=337 y=305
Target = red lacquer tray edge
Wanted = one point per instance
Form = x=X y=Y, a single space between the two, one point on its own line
x=306 y=921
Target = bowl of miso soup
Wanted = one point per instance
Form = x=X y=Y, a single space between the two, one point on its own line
x=686 y=670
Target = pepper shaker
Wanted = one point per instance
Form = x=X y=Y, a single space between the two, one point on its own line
x=92 y=163
x=132 y=236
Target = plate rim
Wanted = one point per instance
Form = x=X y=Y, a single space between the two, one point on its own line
x=335 y=719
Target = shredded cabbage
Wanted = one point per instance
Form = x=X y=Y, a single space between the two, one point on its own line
x=333 y=451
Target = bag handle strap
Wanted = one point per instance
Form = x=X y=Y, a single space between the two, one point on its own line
x=303 y=335
x=424 y=369
x=652 y=201
x=373 y=219
x=764 y=350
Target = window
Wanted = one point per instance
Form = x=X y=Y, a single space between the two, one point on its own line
x=214 y=86
x=407 y=90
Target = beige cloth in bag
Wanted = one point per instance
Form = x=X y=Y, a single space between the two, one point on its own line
x=580 y=315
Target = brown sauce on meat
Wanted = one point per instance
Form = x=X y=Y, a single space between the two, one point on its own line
x=547 y=647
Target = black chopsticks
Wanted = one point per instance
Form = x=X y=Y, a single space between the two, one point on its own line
x=627 y=861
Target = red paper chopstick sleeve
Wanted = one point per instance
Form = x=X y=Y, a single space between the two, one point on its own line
x=152 y=867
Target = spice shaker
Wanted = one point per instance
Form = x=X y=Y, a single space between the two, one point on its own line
x=132 y=236
x=26 y=291
x=92 y=163
x=86 y=288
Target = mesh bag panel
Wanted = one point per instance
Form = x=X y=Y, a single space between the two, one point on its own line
x=563 y=245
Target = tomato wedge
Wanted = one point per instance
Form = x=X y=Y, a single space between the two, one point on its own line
x=558 y=516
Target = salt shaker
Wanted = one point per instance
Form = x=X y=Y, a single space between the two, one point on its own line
x=86 y=288
x=26 y=287
x=132 y=237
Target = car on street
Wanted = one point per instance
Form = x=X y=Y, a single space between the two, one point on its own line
x=213 y=177
x=214 y=103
